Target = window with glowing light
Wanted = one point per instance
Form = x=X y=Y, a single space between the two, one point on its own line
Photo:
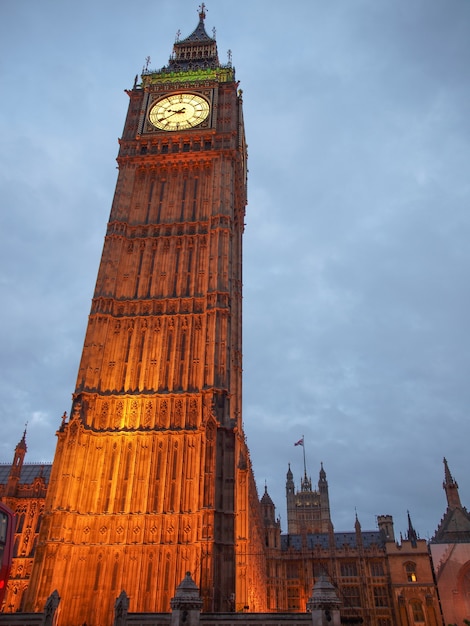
x=410 y=569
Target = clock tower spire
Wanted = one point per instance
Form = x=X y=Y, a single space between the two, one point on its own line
x=152 y=476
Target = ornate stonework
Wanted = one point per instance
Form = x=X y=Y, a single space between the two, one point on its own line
x=146 y=483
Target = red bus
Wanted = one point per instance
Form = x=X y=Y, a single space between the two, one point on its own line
x=7 y=537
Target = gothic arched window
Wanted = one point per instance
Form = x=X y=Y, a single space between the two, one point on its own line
x=410 y=569
x=417 y=609
x=20 y=518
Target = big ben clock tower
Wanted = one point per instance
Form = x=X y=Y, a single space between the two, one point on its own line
x=151 y=476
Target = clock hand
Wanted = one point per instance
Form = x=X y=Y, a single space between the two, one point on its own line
x=171 y=114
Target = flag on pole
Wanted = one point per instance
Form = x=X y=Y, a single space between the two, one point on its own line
x=300 y=442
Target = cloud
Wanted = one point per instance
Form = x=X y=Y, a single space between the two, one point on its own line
x=356 y=262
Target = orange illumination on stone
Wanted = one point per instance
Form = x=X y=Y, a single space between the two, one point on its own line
x=152 y=478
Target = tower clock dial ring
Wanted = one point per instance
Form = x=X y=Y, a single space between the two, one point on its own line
x=179 y=111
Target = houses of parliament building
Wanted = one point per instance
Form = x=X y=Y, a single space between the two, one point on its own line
x=152 y=477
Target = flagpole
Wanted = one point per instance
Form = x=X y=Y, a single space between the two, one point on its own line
x=301 y=442
x=305 y=464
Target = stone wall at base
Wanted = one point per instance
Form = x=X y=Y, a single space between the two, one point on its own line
x=164 y=619
x=21 y=619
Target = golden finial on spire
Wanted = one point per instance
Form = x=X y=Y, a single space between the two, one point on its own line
x=202 y=11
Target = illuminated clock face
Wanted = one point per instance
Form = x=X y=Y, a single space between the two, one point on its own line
x=179 y=111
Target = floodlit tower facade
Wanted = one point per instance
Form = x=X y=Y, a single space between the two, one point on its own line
x=308 y=510
x=152 y=476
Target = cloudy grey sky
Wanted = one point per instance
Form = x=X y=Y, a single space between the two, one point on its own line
x=356 y=273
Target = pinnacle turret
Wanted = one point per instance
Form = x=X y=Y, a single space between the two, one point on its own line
x=17 y=465
x=289 y=475
x=22 y=443
x=357 y=524
x=451 y=488
x=266 y=498
x=454 y=527
x=411 y=535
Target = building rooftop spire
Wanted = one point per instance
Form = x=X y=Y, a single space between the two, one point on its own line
x=22 y=443
x=451 y=488
x=199 y=34
x=202 y=12
x=195 y=56
x=455 y=525
x=197 y=51
x=412 y=535
x=447 y=474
